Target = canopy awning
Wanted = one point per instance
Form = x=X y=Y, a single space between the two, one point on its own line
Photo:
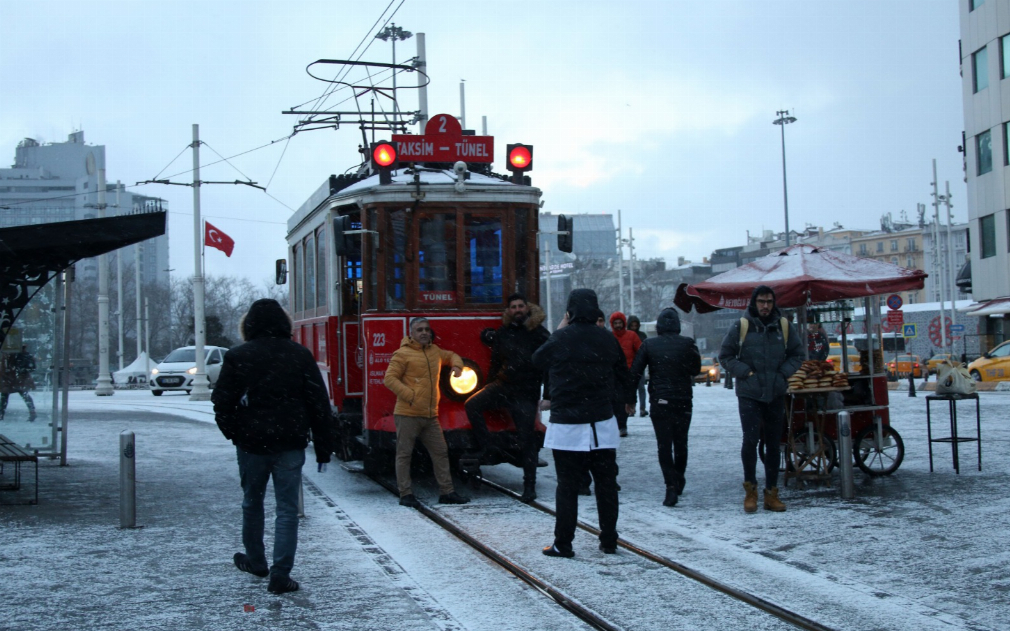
x=30 y=256
x=996 y=306
x=800 y=275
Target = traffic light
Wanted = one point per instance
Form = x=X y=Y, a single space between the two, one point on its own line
x=565 y=225
x=384 y=161
x=520 y=160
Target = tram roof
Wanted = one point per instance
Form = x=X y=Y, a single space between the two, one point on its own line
x=439 y=186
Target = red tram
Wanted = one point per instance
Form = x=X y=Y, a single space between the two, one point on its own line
x=443 y=237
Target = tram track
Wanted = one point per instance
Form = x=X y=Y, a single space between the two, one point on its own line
x=769 y=607
x=562 y=599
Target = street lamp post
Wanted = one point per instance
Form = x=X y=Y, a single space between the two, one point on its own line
x=784 y=119
x=394 y=32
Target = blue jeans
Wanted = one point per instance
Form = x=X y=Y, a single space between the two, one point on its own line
x=254 y=472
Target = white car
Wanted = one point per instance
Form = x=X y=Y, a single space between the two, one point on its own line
x=177 y=370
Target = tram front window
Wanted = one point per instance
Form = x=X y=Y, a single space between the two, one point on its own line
x=437 y=260
x=483 y=243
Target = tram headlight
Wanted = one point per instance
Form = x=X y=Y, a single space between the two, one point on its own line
x=460 y=388
x=466 y=383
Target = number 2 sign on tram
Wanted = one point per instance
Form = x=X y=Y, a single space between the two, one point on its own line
x=443 y=141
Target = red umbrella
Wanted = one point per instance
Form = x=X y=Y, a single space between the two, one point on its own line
x=800 y=275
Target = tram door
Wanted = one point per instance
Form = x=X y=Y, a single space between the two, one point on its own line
x=351 y=288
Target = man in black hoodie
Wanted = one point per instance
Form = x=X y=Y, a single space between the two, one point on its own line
x=770 y=352
x=268 y=400
x=585 y=366
x=673 y=361
x=513 y=384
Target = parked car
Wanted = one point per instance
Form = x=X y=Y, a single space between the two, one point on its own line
x=835 y=357
x=933 y=364
x=176 y=371
x=992 y=366
x=905 y=364
x=710 y=372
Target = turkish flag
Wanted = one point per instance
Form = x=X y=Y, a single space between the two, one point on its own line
x=217 y=239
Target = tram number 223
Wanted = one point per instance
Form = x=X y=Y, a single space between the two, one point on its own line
x=378 y=339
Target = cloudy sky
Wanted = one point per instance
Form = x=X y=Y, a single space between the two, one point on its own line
x=660 y=109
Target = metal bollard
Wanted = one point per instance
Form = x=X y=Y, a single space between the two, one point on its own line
x=127 y=480
x=729 y=381
x=845 y=455
x=911 y=383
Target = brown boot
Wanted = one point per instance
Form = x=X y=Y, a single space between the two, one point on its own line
x=750 y=500
x=772 y=501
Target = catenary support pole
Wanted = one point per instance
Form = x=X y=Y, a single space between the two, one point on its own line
x=200 y=390
x=103 y=387
x=68 y=293
x=620 y=264
x=119 y=283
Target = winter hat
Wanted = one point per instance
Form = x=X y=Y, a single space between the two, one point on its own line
x=265 y=318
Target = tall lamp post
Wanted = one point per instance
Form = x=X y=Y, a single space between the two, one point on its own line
x=784 y=119
x=394 y=33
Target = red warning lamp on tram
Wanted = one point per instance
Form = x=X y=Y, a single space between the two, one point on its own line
x=384 y=161
x=520 y=160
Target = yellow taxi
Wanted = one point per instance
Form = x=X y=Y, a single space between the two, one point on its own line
x=992 y=366
x=709 y=371
x=835 y=357
x=905 y=364
x=933 y=365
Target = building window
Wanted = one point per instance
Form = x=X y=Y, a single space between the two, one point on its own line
x=894 y=245
x=987 y=226
x=974 y=4
x=911 y=245
x=880 y=247
x=863 y=250
x=983 y=152
x=1004 y=56
x=980 y=69
x=910 y=263
x=894 y=260
x=1006 y=144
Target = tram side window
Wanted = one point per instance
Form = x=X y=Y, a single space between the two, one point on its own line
x=437 y=260
x=321 y=271
x=296 y=285
x=395 y=247
x=310 y=273
x=368 y=246
x=483 y=246
x=352 y=276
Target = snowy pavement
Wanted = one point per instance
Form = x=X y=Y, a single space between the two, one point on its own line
x=916 y=550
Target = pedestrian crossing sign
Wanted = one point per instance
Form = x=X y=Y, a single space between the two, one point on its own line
x=908 y=330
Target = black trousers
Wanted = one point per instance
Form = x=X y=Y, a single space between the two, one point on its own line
x=572 y=467
x=762 y=420
x=671 y=420
x=522 y=406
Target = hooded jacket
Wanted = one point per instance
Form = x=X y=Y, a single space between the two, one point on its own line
x=636 y=320
x=513 y=348
x=629 y=340
x=585 y=365
x=270 y=396
x=764 y=353
x=673 y=360
x=413 y=375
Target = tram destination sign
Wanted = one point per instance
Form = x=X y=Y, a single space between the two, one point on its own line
x=443 y=141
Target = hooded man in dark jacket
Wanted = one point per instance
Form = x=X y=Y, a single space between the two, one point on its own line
x=585 y=367
x=770 y=353
x=514 y=384
x=269 y=400
x=673 y=361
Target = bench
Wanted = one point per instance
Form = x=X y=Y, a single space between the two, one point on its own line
x=12 y=452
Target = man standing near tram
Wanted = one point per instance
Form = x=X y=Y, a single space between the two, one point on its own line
x=412 y=375
x=513 y=384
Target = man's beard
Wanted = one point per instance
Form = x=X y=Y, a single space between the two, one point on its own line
x=519 y=318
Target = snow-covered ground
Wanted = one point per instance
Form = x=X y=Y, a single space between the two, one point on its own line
x=916 y=550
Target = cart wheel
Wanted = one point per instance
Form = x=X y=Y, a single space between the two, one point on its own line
x=830 y=458
x=884 y=461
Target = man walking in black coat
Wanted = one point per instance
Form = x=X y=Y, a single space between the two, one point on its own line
x=673 y=361
x=585 y=367
x=269 y=399
x=761 y=359
x=513 y=384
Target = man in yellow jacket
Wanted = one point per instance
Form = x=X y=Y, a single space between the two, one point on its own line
x=413 y=377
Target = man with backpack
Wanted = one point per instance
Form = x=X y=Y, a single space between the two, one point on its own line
x=761 y=350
